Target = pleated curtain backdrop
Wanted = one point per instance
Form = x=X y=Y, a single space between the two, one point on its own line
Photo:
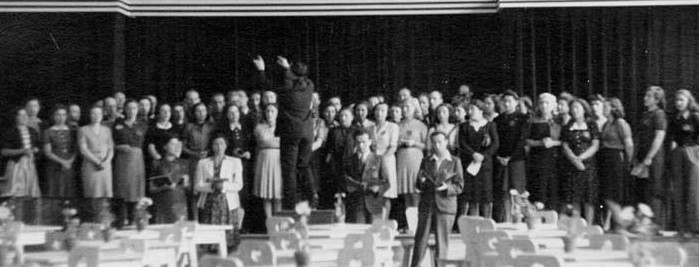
x=615 y=52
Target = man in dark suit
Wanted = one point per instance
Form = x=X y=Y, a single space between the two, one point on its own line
x=440 y=182
x=294 y=127
x=365 y=182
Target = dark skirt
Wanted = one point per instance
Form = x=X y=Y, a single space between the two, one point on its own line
x=479 y=188
x=60 y=182
x=542 y=178
x=169 y=205
x=582 y=186
x=684 y=170
x=611 y=174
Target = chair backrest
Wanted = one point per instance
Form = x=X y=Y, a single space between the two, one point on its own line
x=286 y=241
x=575 y=226
x=135 y=245
x=469 y=226
x=279 y=224
x=54 y=240
x=486 y=241
x=609 y=242
x=214 y=261
x=661 y=253
x=90 y=231
x=594 y=230
x=89 y=254
x=548 y=216
x=509 y=249
x=532 y=260
x=386 y=230
x=257 y=253
x=362 y=248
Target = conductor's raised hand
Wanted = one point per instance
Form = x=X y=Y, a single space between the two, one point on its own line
x=259 y=63
x=283 y=62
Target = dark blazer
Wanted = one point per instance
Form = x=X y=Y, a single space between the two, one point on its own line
x=294 y=95
x=444 y=201
x=373 y=173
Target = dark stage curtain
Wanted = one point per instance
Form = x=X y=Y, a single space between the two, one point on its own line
x=349 y=56
x=610 y=51
x=615 y=51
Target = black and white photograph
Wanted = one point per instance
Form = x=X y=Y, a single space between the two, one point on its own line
x=369 y=133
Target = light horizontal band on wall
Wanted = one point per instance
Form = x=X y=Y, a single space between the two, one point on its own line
x=263 y=8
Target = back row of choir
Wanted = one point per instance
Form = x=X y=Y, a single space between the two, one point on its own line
x=193 y=156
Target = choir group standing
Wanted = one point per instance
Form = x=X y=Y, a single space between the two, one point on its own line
x=214 y=158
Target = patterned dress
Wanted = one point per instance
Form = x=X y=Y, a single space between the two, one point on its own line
x=581 y=186
x=61 y=182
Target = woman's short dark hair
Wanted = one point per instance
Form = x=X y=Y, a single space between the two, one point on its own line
x=58 y=107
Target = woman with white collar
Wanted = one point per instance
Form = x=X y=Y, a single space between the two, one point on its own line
x=218 y=180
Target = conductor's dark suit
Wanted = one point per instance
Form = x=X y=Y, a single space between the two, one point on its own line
x=295 y=130
x=437 y=207
x=361 y=174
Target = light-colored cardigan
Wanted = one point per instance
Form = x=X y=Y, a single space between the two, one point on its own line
x=231 y=171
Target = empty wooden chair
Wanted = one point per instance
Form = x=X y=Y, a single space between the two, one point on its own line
x=182 y=234
x=548 y=216
x=469 y=226
x=213 y=261
x=257 y=253
x=609 y=242
x=660 y=253
x=483 y=251
x=509 y=249
x=363 y=248
x=531 y=260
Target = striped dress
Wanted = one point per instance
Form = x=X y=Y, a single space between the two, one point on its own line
x=268 y=168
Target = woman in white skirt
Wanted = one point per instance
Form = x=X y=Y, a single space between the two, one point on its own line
x=19 y=146
x=268 y=169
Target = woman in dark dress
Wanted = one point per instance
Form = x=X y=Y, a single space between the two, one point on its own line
x=168 y=184
x=129 y=165
x=478 y=142
x=160 y=132
x=650 y=152
x=684 y=166
x=580 y=143
x=614 y=156
x=544 y=142
x=60 y=149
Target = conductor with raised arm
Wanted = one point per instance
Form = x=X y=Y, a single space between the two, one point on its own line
x=294 y=127
x=440 y=180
